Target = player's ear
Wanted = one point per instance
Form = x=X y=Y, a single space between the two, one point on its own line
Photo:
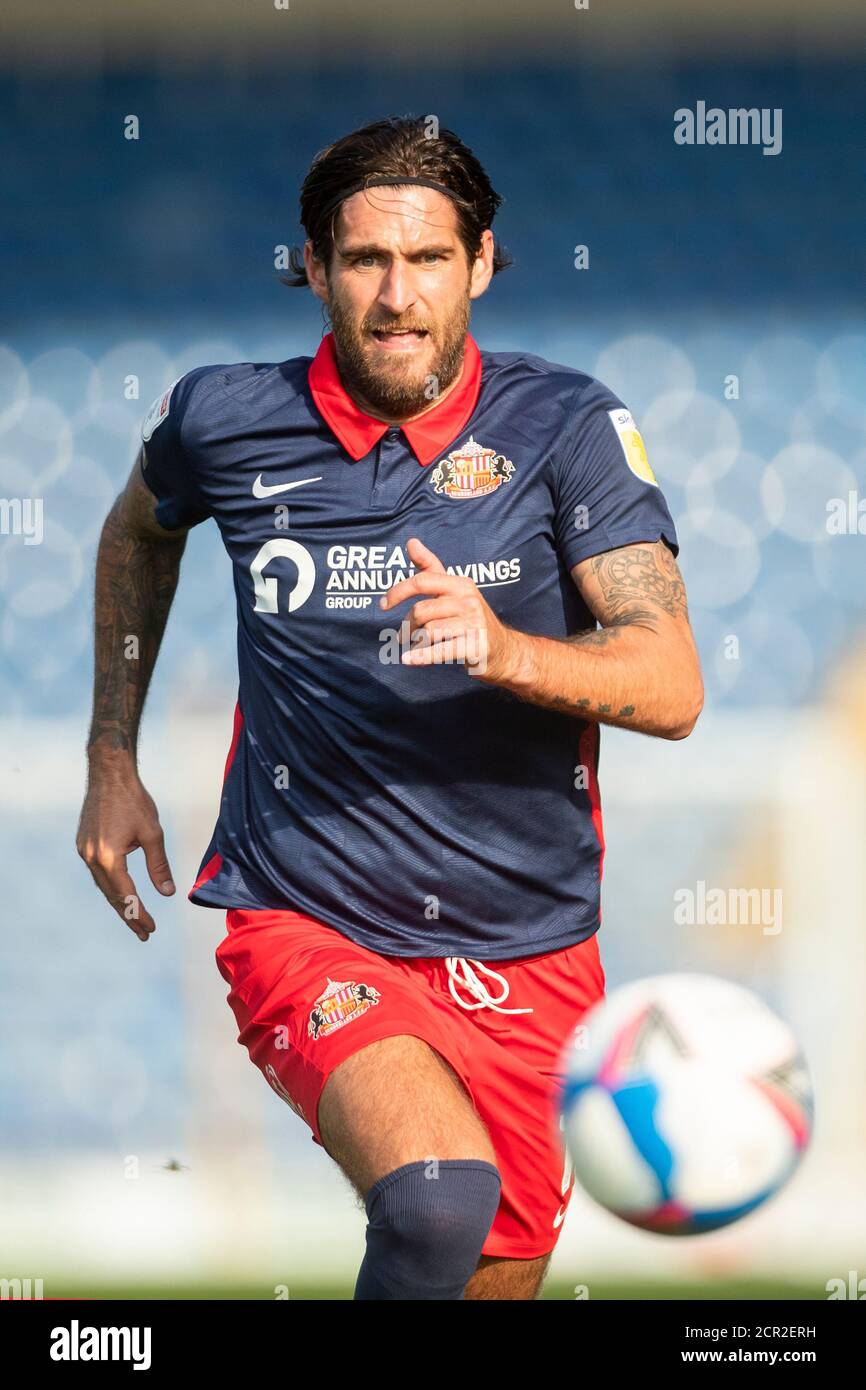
x=315 y=269
x=482 y=267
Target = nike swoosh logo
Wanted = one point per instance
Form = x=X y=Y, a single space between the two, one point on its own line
x=261 y=489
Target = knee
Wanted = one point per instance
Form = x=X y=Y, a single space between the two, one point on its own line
x=439 y=1210
x=426 y=1229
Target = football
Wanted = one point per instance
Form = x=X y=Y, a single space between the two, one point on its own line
x=687 y=1103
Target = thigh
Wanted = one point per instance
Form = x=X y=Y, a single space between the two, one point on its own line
x=397 y=1101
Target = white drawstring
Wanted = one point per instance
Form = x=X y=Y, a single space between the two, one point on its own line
x=461 y=971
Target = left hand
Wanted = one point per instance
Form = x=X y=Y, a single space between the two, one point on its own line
x=458 y=626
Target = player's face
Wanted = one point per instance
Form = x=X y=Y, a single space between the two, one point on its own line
x=399 y=288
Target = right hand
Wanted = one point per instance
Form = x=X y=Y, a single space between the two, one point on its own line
x=118 y=816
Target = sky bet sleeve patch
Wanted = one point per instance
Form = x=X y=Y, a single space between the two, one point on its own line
x=632 y=445
x=157 y=413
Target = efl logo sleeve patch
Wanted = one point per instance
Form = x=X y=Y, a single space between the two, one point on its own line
x=632 y=445
x=157 y=413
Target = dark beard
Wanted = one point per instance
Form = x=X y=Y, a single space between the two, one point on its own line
x=392 y=394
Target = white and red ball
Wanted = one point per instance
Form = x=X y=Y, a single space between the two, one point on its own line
x=687 y=1103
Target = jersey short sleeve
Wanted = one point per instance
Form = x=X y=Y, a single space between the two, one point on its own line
x=167 y=465
x=607 y=494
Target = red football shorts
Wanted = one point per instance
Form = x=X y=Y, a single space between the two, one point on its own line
x=305 y=997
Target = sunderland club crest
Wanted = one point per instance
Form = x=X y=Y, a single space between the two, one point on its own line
x=341 y=1002
x=471 y=471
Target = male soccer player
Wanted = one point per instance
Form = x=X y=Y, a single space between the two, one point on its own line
x=409 y=845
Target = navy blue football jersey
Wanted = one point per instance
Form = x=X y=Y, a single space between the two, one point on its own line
x=417 y=810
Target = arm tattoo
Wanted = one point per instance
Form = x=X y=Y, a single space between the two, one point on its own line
x=587 y=707
x=596 y=636
x=136 y=577
x=637 y=582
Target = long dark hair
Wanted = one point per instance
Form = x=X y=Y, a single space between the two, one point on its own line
x=396 y=145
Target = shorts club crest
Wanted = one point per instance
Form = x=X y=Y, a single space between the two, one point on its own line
x=340 y=1002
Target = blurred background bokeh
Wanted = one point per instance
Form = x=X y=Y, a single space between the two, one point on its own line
x=723 y=301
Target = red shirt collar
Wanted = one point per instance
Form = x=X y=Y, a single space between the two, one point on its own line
x=358 y=432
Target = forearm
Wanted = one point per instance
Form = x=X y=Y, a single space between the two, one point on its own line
x=626 y=675
x=136 y=578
